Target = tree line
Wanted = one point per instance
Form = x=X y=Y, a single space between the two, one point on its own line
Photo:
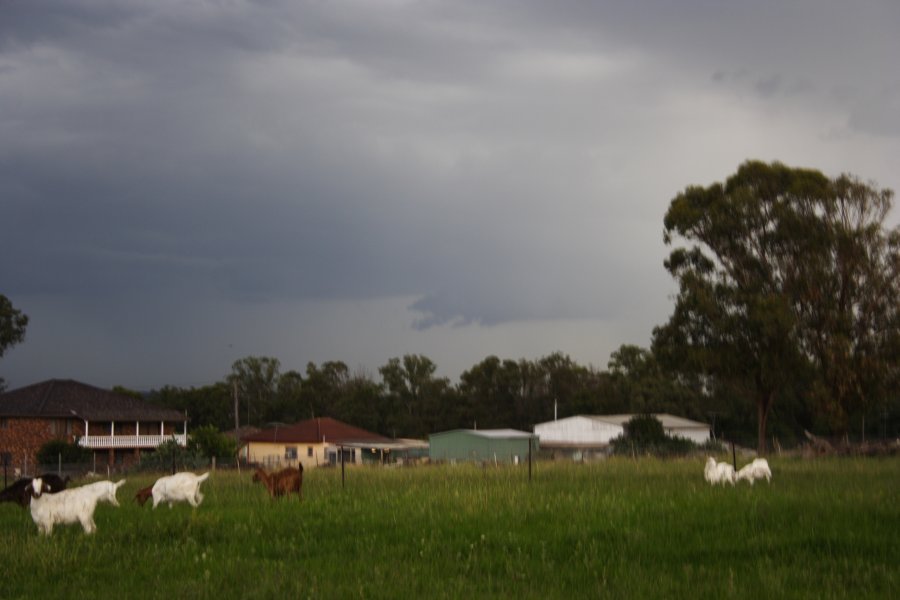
x=408 y=398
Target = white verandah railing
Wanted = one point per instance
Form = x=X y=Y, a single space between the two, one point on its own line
x=129 y=441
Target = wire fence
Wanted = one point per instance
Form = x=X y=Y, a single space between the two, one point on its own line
x=9 y=472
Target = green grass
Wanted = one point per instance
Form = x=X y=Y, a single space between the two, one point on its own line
x=619 y=528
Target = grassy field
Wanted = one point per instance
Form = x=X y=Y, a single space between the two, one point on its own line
x=619 y=528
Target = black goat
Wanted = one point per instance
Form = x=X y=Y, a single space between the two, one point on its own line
x=20 y=492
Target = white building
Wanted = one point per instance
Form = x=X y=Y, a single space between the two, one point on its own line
x=585 y=434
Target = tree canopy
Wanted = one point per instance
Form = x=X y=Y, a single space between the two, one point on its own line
x=789 y=274
x=12 y=328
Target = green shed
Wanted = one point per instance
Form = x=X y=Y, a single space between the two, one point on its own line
x=497 y=445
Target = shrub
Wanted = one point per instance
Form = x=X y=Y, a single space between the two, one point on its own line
x=644 y=434
x=56 y=450
x=209 y=442
x=169 y=453
x=645 y=429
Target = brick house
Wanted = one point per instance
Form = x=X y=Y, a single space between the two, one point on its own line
x=116 y=427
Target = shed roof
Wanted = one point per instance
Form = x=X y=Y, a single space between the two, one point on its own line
x=315 y=431
x=65 y=398
x=495 y=434
x=668 y=421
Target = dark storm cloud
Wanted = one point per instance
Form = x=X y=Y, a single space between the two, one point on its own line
x=487 y=162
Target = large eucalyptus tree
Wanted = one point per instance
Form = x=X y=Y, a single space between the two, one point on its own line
x=787 y=270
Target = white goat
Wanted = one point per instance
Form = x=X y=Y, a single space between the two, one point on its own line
x=709 y=471
x=179 y=487
x=758 y=469
x=68 y=506
x=716 y=473
x=105 y=490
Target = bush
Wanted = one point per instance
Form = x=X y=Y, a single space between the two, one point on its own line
x=645 y=429
x=209 y=442
x=644 y=434
x=169 y=453
x=56 y=450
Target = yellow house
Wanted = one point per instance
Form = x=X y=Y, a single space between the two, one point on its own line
x=312 y=443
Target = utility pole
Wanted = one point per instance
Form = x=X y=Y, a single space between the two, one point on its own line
x=237 y=424
x=713 y=415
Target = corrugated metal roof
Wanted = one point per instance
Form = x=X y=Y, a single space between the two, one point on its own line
x=502 y=433
x=668 y=421
x=65 y=398
x=494 y=434
x=315 y=431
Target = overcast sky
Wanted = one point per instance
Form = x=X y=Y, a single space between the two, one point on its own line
x=185 y=183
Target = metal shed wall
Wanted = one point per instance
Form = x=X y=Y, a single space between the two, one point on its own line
x=578 y=430
x=468 y=445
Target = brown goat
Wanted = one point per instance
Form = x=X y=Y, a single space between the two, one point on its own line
x=283 y=482
x=143 y=495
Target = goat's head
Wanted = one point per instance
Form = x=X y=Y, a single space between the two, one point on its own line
x=259 y=475
x=143 y=495
x=37 y=487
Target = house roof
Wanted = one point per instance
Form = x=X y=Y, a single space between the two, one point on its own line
x=65 y=398
x=315 y=431
x=242 y=432
x=668 y=421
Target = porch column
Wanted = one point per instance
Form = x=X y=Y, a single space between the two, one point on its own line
x=112 y=449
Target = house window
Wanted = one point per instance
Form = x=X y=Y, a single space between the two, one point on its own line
x=290 y=452
x=309 y=451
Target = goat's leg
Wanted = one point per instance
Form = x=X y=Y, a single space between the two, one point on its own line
x=88 y=524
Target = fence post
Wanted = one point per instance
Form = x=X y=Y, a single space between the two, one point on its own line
x=342 y=467
x=59 y=463
x=733 y=458
x=529 y=459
